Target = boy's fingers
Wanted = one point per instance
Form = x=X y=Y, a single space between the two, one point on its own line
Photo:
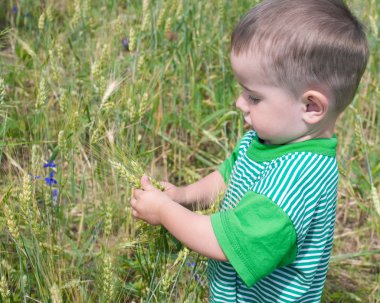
x=133 y=202
x=145 y=183
x=166 y=185
x=137 y=193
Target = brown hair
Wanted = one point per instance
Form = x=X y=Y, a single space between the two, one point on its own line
x=305 y=43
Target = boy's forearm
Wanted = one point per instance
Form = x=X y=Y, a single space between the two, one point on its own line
x=193 y=230
x=204 y=191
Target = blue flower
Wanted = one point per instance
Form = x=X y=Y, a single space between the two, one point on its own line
x=28 y=14
x=196 y=277
x=54 y=195
x=34 y=177
x=192 y=264
x=14 y=9
x=50 y=164
x=50 y=180
x=125 y=43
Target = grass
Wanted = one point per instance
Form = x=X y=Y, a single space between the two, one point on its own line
x=89 y=81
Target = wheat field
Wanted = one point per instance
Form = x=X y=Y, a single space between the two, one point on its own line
x=95 y=93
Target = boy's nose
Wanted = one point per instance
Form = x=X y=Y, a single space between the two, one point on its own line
x=241 y=104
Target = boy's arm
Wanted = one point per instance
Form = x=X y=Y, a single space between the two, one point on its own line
x=193 y=230
x=201 y=193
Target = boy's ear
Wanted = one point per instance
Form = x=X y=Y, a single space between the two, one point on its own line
x=315 y=106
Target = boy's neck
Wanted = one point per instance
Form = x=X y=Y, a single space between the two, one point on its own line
x=314 y=134
x=325 y=134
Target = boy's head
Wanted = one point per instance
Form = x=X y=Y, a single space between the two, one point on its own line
x=302 y=46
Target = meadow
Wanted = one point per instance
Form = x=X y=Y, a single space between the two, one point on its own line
x=95 y=93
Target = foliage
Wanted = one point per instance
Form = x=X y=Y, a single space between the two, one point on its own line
x=89 y=88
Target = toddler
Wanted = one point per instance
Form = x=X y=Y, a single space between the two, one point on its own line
x=299 y=63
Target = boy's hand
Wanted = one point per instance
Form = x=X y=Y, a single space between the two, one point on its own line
x=147 y=202
x=174 y=192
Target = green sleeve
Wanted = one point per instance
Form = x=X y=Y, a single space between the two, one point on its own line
x=257 y=237
x=225 y=168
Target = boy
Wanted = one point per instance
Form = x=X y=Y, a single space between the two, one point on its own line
x=299 y=63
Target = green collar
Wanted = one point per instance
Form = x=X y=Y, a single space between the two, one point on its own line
x=260 y=152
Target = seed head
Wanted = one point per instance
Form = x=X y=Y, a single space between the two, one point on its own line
x=53 y=65
x=26 y=195
x=342 y=171
x=108 y=220
x=132 y=39
x=161 y=15
x=112 y=87
x=132 y=112
x=35 y=163
x=59 y=51
x=108 y=277
x=119 y=26
x=140 y=62
x=179 y=11
x=49 y=14
x=42 y=94
x=7 y=267
x=4 y=290
x=2 y=91
x=375 y=199
x=62 y=143
x=85 y=9
x=360 y=142
x=168 y=25
x=77 y=13
x=95 y=136
x=146 y=20
x=63 y=102
x=41 y=22
x=24 y=281
x=182 y=256
x=143 y=105
x=221 y=9
x=55 y=294
x=11 y=222
x=167 y=281
x=125 y=173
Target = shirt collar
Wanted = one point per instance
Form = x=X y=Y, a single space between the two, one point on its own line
x=260 y=152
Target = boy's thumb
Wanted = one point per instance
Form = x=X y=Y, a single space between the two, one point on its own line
x=145 y=183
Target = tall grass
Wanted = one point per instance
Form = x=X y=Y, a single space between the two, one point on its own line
x=86 y=84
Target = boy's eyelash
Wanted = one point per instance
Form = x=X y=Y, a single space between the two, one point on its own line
x=253 y=99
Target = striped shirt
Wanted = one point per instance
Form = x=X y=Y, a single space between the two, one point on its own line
x=276 y=221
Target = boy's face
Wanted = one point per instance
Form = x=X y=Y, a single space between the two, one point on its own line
x=273 y=112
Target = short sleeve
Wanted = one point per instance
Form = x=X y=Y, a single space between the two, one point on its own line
x=225 y=168
x=257 y=237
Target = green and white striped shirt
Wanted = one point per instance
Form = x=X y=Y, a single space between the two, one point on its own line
x=276 y=221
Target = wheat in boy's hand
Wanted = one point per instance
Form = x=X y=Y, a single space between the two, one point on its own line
x=147 y=202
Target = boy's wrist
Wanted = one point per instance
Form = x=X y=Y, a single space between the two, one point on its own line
x=181 y=195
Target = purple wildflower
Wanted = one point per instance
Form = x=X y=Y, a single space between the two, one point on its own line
x=50 y=180
x=50 y=164
x=192 y=264
x=34 y=177
x=54 y=195
x=196 y=277
x=125 y=43
x=14 y=9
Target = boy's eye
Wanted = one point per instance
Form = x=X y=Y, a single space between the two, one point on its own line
x=254 y=99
